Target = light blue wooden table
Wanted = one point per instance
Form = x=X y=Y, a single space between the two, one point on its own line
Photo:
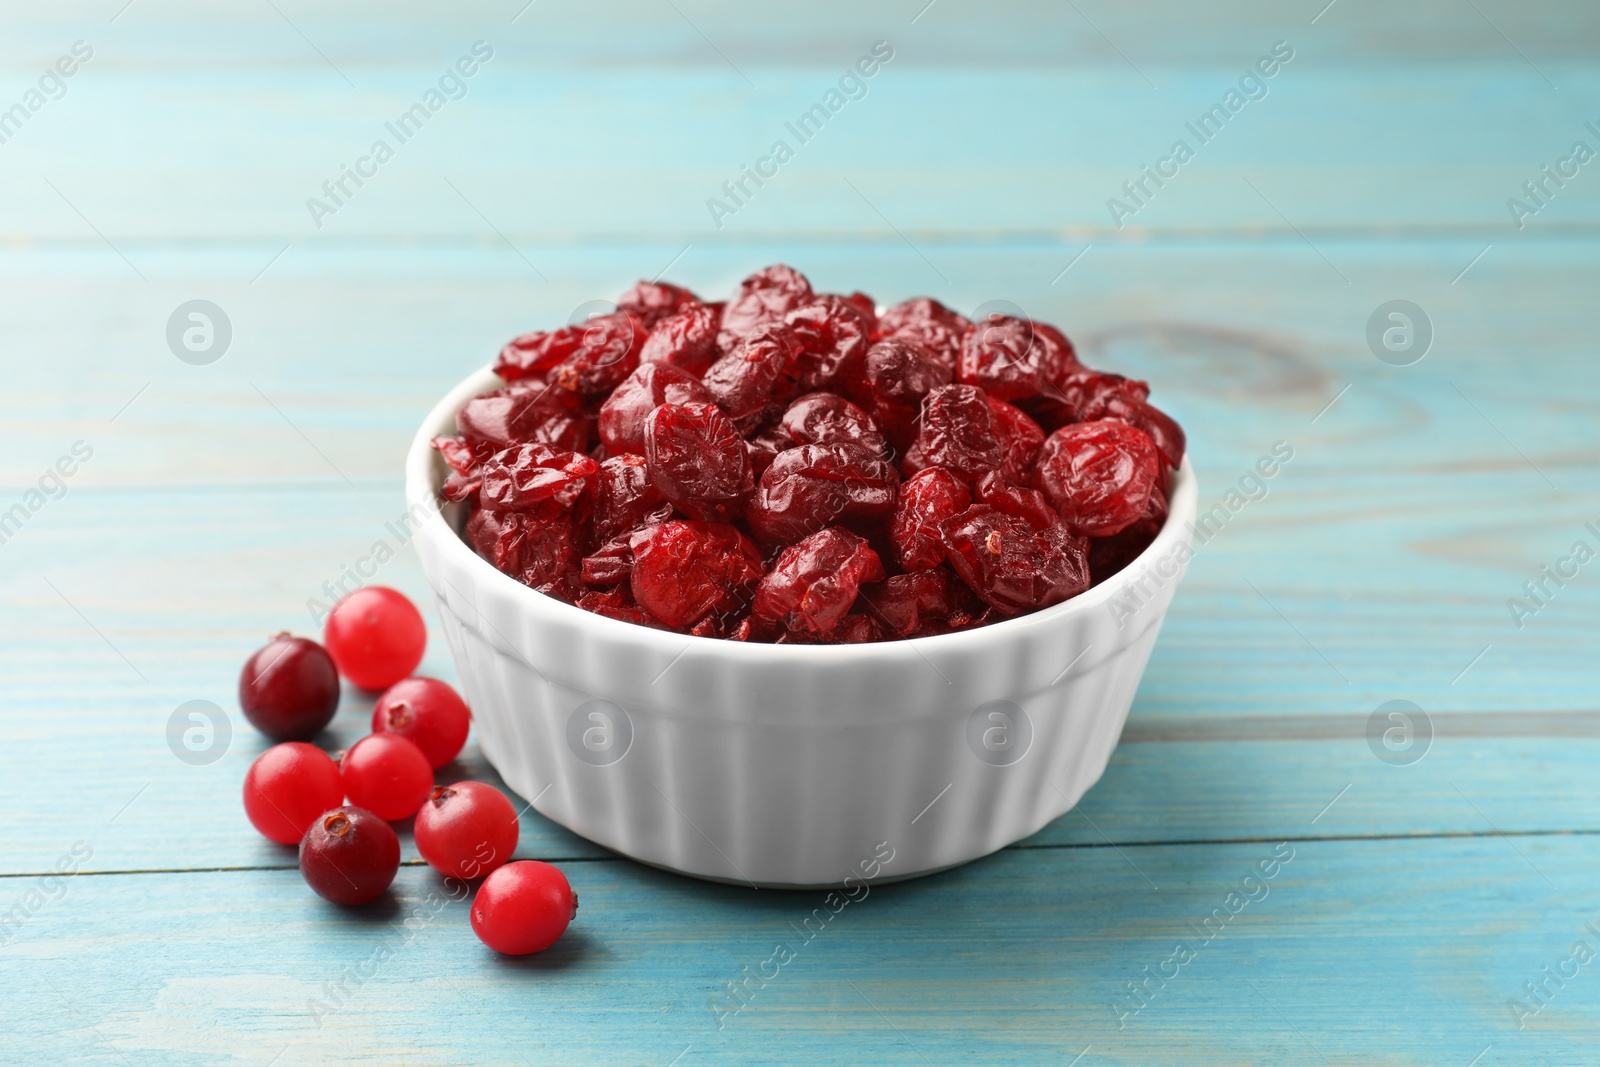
x=1424 y=902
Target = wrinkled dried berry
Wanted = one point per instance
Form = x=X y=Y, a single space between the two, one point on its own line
x=684 y=571
x=760 y=373
x=698 y=460
x=765 y=298
x=957 y=433
x=1020 y=440
x=833 y=335
x=1029 y=505
x=687 y=340
x=827 y=419
x=1011 y=565
x=926 y=500
x=525 y=413
x=813 y=583
x=622 y=416
x=896 y=377
x=1157 y=425
x=587 y=358
x=908 y=605
x=625 y=498
x=1004 y=356
x=1081 y=395
x=1098 y=475
x=764 y=448
x=539 y=548
x=650 y=302
x=527 y=476
x=808 y=487
x=929 y=324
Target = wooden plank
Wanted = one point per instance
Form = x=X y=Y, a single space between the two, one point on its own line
x=1018 y=958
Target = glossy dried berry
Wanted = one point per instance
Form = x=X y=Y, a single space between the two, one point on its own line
x=1004 y=356
x=625 y=498
x=622 y=415
x=698 y=460
x=833 y=335
x=1160 y=427
x=810 y=486
x=1029 y=505
x=686 y=339
x=909 y=605
x=895 y=378
x=1012 y=566
x=1020 y=440
x=813 y=584
x=527 y=413
x=650 y=302
x=1082 y=396
x=828 y=419
x=957 y=433
x=928 y=324
x=587 y=359
x=684 y=571
x=1098 y=475
x=760 y=373
x=765 y=298
x=527 y=476
x=926 y=500
x=539 y=549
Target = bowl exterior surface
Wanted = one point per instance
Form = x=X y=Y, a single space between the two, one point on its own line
x=790 y=766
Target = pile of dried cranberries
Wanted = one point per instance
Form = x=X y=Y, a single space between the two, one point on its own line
x=793 y=466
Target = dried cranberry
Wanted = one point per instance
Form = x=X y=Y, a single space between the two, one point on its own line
x=764 y=448
x=539 y=548
x=617 y=604
x=1004 y=356
x=625 y=498
x=833 y=335
x=957 y=433
x=1029 y=505
x=683 y=571
x=1098 y=475
x=910 y=604
x=763 y=370
x=1160 y=427
x=651 y=302
x=522 y=414
x=1020 y=440
x=813 y=584
x=609 y=564
x=765 y=298
x=1082 y=395
x=927 y=499
x=868 y=308
x=1013 y=566
x=826 y=419
x=456 y=452
x=927 y=323
x=853 y=629
x=698 y=460
x=809 y=487
x=586 y=358
x=895 y=378
x=687 y=340
x=647 y=388
x=524 y=477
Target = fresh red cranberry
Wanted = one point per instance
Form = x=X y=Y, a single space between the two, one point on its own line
x=813 y=584
x=387 y=774
x=349 y=855
x=765 y=298
x=698 y=460
x=1011 y=565
x=523 y=907
x=1098 y=475
x=466 y=830
x=683 y=571
x=376 y=636
x=650 y=302
x=623 y=415
x=289 y=689
x=686 y=340
x=288 y=786
x=926 y=500
x=957 y=433
x=427 y=712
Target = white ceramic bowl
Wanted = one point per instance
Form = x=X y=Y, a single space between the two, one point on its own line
x=790 y=765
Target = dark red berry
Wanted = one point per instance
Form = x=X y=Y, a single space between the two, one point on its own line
x=686 y=340
x=808 y=487
x=760 y=374
x=288 y=786
x=626 y=498
x=523 y=907
x=524 y=413
x=466 y=830
x=289 y=689
x=647 y=388
x=683 y=571
x=833 y=335
x=1028 y=505
x=587 y=359
x=827 y=419
x=895 y=378
x=929 y=324
x=698 y=460
x=526 y=476
x=1003 y=356
x=386 y=774
x=349 y=855
x=1020 y=440
x=427 y=712
x=813 y=584
x=926 y=500
x=650 y=302
x=539 y=549
x=1098 y=475
x=1011 y=565
x=376 y=636
x=765 y=298
x=911 y=605
x=957 y=433
x=1160 y=427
